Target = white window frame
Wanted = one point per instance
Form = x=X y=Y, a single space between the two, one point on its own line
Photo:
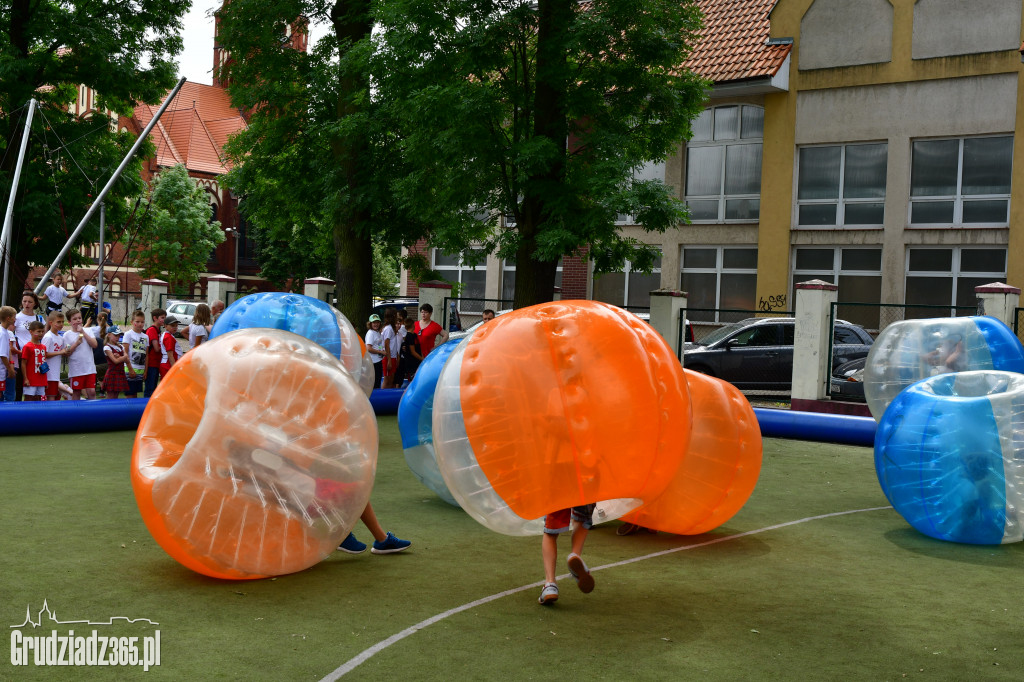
x=958 y=198
x=626 y=270
x=458 y=269
x=718 y=270
x=955 y=272
x=722 y=197
x=840 y=201
x=837 y=265
x=507 y=266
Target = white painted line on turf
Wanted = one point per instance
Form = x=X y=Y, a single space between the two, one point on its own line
x=358 y=660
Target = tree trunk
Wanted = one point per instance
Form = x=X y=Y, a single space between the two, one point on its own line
x=354 y=253
x=535 y=279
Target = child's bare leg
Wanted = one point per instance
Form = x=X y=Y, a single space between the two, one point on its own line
x=579 y=536
x=369 y=520
x=90 y=394
x=76 y=394
x=549 y=553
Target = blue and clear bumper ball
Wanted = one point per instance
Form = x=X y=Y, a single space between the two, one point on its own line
x=415 y=412
x=308 y=317
x=949 y=454
x=912 y=350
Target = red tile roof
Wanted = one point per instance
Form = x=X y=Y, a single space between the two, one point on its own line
x=733 y=44
x=194 y=128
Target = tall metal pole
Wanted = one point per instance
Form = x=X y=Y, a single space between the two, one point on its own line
x=110 y=183
x=99 y=277
x=5 y=235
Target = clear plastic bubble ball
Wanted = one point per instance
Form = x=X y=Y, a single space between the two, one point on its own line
x=558 y=405
x=308 y=317
x=912 y=350
x=949 y=454
x=415 y=412
x=255 y=456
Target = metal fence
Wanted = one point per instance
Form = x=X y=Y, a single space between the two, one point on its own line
x=875 y=317
x=1018 y=315
x=122 y=305
x=706 y=321
x=463 y=313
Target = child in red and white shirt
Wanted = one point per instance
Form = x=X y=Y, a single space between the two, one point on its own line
x=169 y=352
x=33 y=355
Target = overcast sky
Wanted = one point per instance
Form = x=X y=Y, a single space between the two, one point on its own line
x=196 y=61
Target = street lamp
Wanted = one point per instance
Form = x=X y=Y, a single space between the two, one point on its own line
x=234 y=232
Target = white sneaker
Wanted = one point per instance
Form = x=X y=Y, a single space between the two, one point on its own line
x=548 y=595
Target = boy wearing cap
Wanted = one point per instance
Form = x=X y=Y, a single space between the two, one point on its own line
x=169 y=351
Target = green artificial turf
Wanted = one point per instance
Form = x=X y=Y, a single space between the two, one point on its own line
x=855 y=596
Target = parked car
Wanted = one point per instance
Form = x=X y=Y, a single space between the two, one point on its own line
x=757 y=353
x=184 y=311
x=410 y=304
x=848 y=381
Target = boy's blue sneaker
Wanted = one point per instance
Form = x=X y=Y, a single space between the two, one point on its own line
x=389 y=545
x=351 y=545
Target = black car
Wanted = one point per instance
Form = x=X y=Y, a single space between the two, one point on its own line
x=848 y=381
x=757 y=353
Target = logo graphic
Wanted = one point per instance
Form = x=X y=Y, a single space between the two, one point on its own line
x=92 y=649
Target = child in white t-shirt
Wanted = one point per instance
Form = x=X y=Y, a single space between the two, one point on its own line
x=8 y=370
x=81 y=362
x=135 y=343
x=56 y=349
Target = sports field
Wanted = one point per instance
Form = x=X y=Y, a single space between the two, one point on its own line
x=816 y=578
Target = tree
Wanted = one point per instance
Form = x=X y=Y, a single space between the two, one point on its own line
x=177 y=233
x=124 y=52
x=315 y=165
x=541 y=112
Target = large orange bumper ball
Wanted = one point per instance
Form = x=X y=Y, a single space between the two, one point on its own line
x=721 y=467
x=558 y=405
x=255 y=456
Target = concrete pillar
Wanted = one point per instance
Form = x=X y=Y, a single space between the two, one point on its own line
x=998 y=300
x=811 y=363
x=154 y=294
x=319 y=288
x=434 y=293
x=668 y=312
x=217 y=288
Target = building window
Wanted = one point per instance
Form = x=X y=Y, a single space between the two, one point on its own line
x=961 y=182
x=842 y=186
x=717 y=278
x=948 y=276
x=628 y=288
x=857 y=271
x=508 y=279
x=723 y=165
x=473 y=278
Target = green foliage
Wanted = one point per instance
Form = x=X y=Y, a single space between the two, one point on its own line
x=123 y=51
x=177 y=235
x=385 y=270
x=486 y=94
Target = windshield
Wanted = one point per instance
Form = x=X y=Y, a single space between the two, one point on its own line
x=720 y=333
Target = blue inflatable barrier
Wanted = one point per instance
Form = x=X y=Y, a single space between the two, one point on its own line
x=825 y=428
x=71 y=416
x=86 y=416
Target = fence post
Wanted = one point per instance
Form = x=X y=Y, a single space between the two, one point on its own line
x=998 y=300
x=217 y=288
x=151 y=294
x=319 y=288
x=434 y=293
x=667 y=306
x=811 y=363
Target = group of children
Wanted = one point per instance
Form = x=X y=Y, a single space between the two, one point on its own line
x=32 y=348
